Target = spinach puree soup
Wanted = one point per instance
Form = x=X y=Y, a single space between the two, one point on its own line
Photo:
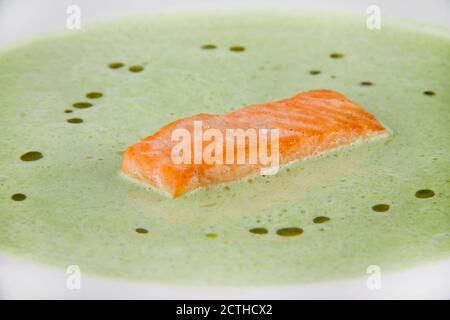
x=70 y=105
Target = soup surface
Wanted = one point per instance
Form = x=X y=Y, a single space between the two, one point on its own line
x=70 y=105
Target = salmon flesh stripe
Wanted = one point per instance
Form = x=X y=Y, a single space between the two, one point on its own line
x=309 y=124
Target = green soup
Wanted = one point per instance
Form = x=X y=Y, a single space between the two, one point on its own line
x=70 y=105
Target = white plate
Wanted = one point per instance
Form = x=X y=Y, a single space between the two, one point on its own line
x=21 y=20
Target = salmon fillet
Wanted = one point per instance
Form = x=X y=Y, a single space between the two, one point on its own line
x=308 y=124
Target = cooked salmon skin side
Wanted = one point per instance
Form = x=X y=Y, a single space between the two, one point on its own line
x=309 y=124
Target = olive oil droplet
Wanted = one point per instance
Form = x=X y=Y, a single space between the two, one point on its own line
x=382 y=207
x=31 y=156
x=209 y=46
x=141 y=230
x=82 y=105
x=321 y=219
x=136 y=68
x=115 y=65
x=259 y=230
x=289 y=232
x=336 y=55
x=94 y=95
x=74 y=120
x=425 y=194
x=18 y=197
x=237 y=48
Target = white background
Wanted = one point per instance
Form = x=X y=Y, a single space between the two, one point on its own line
x=24 y=19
